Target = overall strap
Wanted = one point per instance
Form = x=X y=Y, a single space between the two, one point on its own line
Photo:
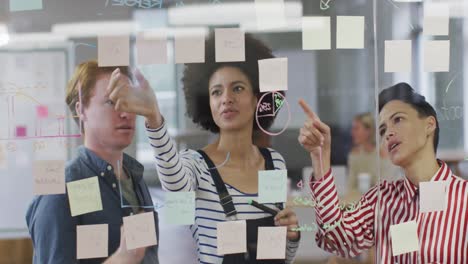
x=269 y=166
x=224 y=196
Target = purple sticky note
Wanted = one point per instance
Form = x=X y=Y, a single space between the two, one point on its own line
x=42 y=111
x=20 y=131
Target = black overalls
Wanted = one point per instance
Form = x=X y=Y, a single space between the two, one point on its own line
x=252 y=225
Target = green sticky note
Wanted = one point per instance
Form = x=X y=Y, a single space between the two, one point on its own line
x=84 y=196
x=272 y=186
x=180 y=208
x=24 y=5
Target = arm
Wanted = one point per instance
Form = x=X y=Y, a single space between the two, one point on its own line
x=52 y=230
x=176 y=172
x=342 y=232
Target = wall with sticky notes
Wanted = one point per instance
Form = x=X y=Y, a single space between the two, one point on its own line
x=336 y=55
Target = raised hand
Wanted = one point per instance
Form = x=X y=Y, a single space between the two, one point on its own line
x=139 y=99
x=315 y=137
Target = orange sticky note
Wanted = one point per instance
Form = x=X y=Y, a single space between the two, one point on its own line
x=113 y=51
x=140 y=230
x=232 y=237
x=271 y=243
x=49 y=177
x=92 y=241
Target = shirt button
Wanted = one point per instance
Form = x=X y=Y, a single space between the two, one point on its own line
x=114 y=185
x=109 y=167
x=102 y=174
x=131 y=213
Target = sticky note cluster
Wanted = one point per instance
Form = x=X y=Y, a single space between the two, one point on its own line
x=316 y=32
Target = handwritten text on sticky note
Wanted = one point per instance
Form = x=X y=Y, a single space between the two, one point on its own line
x=180 y=208
x=92 y=241
x=229 y=44
x=231 y=237
x=49 y=177
x=404 y=238
x=84 y=196
x=140 y=230
x=272 y=186
x=113 y=51
x=271 y=242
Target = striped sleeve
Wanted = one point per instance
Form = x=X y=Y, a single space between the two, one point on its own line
x=343 y=232
x=291 y=246
x=176 y=171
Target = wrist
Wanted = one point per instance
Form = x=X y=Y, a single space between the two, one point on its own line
x=154 y=120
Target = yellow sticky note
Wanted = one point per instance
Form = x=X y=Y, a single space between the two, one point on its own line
x=140 y=230
x=231 y=237
x=404 y=238
x=189 y=48
x=151 y=48
x=350 y=32
x=273 y=74
x=113 y=51
x=436 y=19
x=316 y=33
x=92 y=241
x=229 y=44
x=433 y=196
x=437 y=55
x=84 y=196
x=271 y=243
x=398 y=56
x=49 y=177
x=270 y=14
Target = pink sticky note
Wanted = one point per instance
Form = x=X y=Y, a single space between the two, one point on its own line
x=42 y=111
x=49 y=176
x=271 y=243
x=92 y=241
x=113 y=51
x=151 y=48
x=140 y=230
x=232 y=237
x=21 y=131
x=189 y=49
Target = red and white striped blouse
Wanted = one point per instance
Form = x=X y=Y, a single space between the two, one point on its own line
x=443 y=235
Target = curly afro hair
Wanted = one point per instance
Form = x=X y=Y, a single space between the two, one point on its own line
x=196 y=78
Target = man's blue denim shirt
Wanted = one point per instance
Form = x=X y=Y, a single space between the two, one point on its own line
x=53 y=229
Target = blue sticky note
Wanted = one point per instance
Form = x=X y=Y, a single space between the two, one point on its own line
x=180 y=208
x=272 y=186
x=24 y=5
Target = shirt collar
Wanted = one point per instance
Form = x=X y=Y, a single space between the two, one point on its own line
x=104 y=168
x=442 y=174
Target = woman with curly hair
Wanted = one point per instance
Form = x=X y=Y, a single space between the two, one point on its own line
x=221 y=98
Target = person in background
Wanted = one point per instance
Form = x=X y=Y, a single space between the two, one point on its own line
x=409 y=130
x=362 y=160
x=106 y=133
x=221 y=98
